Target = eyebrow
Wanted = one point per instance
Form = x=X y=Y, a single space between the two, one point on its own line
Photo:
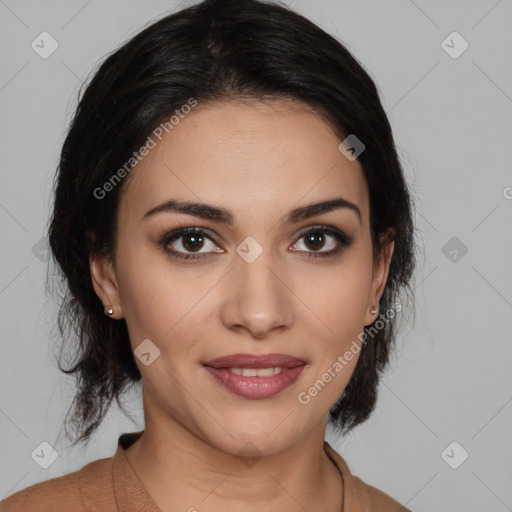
x=223 y=216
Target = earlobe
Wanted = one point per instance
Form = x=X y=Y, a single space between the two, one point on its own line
x=105 y=285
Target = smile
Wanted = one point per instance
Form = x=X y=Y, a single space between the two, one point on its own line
x=255 y=376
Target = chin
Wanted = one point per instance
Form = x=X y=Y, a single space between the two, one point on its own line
x=254 y=437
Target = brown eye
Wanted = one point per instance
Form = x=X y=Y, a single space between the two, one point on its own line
x=317 y=238
x=188 y=243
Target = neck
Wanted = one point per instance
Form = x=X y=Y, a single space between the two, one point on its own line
x=183 y=472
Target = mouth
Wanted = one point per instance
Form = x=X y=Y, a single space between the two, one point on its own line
x=255 y=376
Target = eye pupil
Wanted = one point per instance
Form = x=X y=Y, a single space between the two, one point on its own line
x=192 y=241
x=316 y=239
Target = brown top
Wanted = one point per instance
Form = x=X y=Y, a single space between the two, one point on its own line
x=111 y=485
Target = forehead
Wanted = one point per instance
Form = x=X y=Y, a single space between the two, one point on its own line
x=246 y=156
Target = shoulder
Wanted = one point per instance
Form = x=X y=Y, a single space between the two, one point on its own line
x=81 y=491
x=360 y=495
x=376 y=499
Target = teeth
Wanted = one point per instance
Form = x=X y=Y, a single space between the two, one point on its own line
x=256 y=372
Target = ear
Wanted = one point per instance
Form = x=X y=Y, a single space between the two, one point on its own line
x=380 y=275
x=105 y=285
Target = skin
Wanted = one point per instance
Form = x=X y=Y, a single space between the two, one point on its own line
x=258 y=160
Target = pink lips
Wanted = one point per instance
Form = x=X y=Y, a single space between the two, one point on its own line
x=255 y=386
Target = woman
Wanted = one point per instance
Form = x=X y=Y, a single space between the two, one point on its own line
x=233 y=224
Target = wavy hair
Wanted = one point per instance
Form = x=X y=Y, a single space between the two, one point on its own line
x=213 y=51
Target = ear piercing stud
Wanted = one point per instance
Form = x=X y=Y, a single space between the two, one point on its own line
x=374 y=310
x=109 y=311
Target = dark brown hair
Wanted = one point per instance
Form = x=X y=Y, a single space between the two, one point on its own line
x=213 y=51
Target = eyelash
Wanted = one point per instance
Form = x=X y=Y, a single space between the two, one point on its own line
x=343 y=239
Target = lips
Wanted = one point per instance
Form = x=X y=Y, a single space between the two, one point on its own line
x=255 y=376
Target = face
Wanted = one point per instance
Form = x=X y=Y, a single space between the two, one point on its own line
x=249 y=277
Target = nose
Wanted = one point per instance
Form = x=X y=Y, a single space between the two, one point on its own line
x=256 y=298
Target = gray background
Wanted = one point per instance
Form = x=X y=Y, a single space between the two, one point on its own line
x=450 y=379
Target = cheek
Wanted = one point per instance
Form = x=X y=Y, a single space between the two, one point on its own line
x=158 y=310
x=340 y=299
x=155 y=299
